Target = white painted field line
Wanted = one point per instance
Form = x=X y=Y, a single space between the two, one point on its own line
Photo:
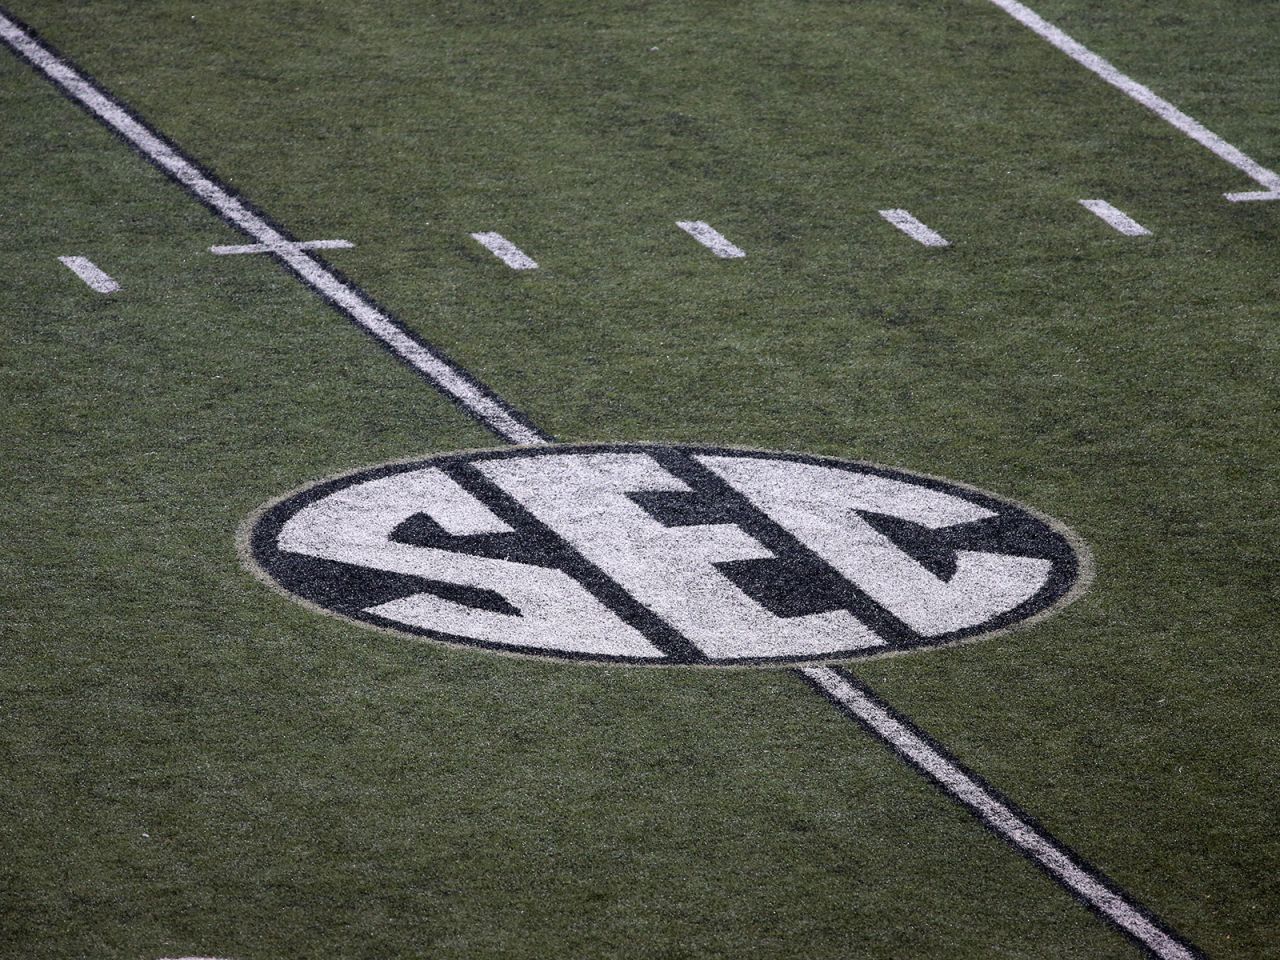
x=1248 y=196
x=1157 y=105
x=505 y=250
x=223 y=251
x=450 y=379
x=711 y=238
x=914 y=229
x=877 y=718
x=87 y=271
x=1118 y=219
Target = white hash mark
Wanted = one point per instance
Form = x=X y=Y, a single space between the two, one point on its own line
x=711 y=238
x=914 y=229
x=505 y=250
x=1119 y=221
x=87 y=271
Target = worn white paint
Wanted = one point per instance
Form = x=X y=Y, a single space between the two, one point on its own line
x=223 y=251
x=914 y=229
x=671 y=570
x=447 y=377
x=1118 y=220
x=1035 y=843
x=354 y=525
x=1252 y=195
x=711 y=238
x=505 y=250
x=90 y=273
x=1156 y=104
x=818 y=506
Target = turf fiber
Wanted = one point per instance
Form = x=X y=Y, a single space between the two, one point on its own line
x=192 y=765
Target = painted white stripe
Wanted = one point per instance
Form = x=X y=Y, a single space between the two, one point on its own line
x=90 y=274
x=1251 y=195
x=263 y=248
x=929 y=761
x=1118 y=219
x=447 y=377
x=1157 y=105
x=505 y=250
x=711 y=238
x=914 y=229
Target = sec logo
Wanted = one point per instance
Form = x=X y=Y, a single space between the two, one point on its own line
x=664 y=554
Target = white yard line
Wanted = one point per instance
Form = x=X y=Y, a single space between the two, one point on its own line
x=711 y=238
x=505 y=250
x=263 y=248
x=448 y=378
x=1118 y=219
x=1157 y=105
x=859 y=703
x=914 y=229
x=87 y=271
x=879 y=720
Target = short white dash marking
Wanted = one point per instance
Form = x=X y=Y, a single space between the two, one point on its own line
x=1157 y=105
x=87 y=271
x=1248 y=196
x=505 y=250
x=1017 y=830
x=267 y=248
x=914 y=229
x=1118 y=219
x=711 y=238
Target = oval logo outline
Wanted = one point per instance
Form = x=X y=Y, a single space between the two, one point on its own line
x=1069 y=576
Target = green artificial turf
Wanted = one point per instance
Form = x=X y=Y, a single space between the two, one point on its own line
x=191 y=764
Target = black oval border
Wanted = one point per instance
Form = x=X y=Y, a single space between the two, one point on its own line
x=1072 y=573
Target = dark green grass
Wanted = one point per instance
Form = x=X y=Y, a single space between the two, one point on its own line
x=310 y=789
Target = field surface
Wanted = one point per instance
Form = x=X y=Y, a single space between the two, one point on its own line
x=193 y=765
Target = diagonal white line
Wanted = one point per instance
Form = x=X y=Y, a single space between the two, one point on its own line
x=711 y=238
x=879 y=720
x=1119 y=221
x=505 y=250
x=1145 y=96
x=90 y=273
x=447 y=377
x=914 y=229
